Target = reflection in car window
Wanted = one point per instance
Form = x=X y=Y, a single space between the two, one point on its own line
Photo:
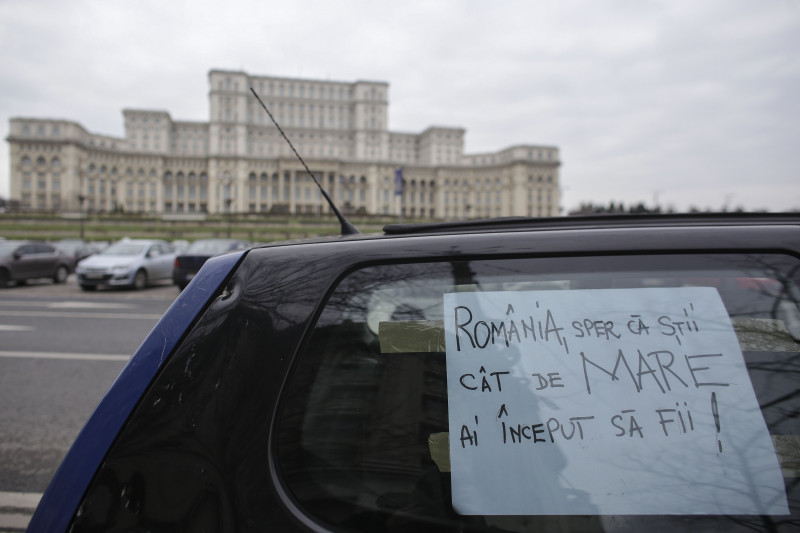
x=363 y=431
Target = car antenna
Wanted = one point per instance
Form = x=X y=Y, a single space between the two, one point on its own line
x=347 y=227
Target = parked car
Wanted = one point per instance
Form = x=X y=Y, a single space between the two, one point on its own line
x=180 y=245
x=619 y=373
x=76 y=248
x=130 y=263
x=24 y=260
x=189 y=261
x=99 y=246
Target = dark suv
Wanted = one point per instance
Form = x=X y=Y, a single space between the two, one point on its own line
x=571 y=374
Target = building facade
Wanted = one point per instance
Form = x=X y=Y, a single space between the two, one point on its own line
x=238 y=162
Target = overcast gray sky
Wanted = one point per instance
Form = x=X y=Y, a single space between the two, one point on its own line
x=693 y=103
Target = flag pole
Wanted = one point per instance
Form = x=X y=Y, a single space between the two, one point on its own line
x=399 y=186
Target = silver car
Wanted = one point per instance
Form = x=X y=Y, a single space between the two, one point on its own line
x=129 y=263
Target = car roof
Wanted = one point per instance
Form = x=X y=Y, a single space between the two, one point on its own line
x=633 y=222
x=593 y=221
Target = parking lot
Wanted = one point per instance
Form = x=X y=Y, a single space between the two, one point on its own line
x=47 y=289
x=60 y=350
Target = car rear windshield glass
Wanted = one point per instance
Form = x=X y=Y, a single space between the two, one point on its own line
x=570 y=394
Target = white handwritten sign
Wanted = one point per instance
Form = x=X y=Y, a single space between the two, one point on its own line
x=618 y=401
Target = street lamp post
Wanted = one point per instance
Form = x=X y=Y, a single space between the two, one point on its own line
x=81 y=199
x=228 y=211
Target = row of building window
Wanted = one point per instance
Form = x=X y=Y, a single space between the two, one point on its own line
x=92 y=169
x=190 y=190
x=180 y=190
x=181 y=204
x=40 y=161
x=41 y=181
x=302 y=90
x=292 y=91
x=300 y=120
x=41 y=130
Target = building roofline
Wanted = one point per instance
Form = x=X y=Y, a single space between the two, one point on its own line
x=142 y=110
x=440 y=127
x=291 y=78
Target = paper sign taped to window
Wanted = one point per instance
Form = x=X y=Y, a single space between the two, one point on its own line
x=617 y=401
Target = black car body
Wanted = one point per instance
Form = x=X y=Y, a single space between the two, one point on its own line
x=189 y=261
x=330 y=386
x=24 y=260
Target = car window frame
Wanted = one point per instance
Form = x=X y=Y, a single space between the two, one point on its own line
x=588 y=258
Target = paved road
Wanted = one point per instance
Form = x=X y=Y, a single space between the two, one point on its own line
x=60 y=350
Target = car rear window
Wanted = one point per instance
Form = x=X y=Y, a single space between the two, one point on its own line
x=572 y=394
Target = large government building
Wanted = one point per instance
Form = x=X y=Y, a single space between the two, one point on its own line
x=237 y=162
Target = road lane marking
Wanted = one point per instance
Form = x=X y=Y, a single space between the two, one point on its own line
x=12 y=327
x=16 y=509
x=14 y=521
x=55 y=314
x=67 y=356
x=21 y=303
x=88 y=305
x=20 y=500
x=66 y=305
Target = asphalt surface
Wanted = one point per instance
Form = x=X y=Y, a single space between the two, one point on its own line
x=60 y=350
